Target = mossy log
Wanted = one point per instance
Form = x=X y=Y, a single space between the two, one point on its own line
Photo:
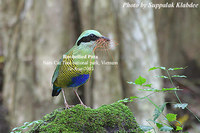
x=111 y=118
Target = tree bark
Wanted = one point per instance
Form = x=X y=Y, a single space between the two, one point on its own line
x=36 y=33
x=138 y=53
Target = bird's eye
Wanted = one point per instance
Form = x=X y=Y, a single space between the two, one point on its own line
x=92 y=36
x=86 y=39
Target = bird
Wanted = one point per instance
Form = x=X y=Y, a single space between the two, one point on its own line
x=75 y=67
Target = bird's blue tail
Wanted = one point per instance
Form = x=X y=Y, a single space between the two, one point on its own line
x=56 y=90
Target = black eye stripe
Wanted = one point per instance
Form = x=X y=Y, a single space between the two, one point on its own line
x=88 y=38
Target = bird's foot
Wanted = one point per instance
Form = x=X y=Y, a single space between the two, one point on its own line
x=68 y=106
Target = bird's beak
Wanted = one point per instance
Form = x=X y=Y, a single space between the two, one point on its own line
x=105 y=38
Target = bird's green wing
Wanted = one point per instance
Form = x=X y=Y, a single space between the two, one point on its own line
x=56 y=72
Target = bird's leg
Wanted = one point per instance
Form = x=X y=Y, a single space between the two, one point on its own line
x=75 y=91
x=65 y=102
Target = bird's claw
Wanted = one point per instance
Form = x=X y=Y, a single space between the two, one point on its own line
x=68 y=106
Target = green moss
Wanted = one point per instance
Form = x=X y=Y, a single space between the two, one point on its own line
x=115 y=117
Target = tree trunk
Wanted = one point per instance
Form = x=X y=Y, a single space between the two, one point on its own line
x=138 y=53
x=36 y=33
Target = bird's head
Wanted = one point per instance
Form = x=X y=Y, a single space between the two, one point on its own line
x=90 y=38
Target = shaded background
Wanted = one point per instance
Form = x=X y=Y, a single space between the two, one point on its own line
x=33 y=33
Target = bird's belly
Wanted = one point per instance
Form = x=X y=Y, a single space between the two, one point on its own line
x=79 y=80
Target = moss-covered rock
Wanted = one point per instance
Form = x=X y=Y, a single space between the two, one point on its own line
x=115 y=117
